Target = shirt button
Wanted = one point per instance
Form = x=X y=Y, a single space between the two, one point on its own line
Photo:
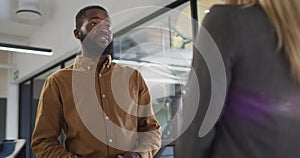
x=110 y=140
x=103 y=95
x=106 y=118
x=100 y=75
x=88 y=67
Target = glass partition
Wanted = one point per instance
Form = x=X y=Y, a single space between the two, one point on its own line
x=161 y=50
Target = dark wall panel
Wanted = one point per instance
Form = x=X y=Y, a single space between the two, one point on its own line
x=2 y=118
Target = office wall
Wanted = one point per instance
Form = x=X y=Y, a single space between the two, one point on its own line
x=3 y=94
x=3 y=75
x=12 y=105
x=12 y=111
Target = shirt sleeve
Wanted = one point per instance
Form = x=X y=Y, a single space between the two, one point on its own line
x=49 y=121
x=148 y=126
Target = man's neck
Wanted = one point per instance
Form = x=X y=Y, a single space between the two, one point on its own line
x=94 y=55
x=101 y=60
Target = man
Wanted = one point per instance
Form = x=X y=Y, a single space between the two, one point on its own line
x=103 y=109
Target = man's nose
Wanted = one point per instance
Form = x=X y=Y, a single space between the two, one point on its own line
x=103 y=27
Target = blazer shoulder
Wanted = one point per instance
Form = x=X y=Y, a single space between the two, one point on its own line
x=234 y=10
x=225 y=8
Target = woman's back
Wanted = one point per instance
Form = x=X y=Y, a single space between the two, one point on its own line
x=261 y=117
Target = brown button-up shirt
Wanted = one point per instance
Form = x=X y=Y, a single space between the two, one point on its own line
x=104 y=109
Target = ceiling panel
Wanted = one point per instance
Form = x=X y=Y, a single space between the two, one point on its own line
x=12 y=25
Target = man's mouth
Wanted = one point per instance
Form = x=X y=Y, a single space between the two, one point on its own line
x=103 y=37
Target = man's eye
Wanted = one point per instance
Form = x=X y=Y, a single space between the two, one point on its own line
x=93 y=23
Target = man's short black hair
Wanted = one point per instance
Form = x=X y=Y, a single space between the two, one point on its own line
x=81 y=14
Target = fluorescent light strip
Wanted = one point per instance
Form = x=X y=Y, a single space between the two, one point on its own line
x=25 y=49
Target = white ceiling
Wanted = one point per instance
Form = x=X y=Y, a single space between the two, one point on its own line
x=11 y=25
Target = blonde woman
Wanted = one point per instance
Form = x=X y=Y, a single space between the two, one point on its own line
x=260 y=44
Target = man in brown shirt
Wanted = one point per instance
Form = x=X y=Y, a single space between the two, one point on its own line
x=103 y=108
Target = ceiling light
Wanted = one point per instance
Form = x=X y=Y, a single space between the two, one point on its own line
x=29 y=9
x=25 y=49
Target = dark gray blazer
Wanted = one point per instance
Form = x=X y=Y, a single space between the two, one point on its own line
x=261 y=116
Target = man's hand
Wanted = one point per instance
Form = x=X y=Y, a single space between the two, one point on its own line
x=130 y=155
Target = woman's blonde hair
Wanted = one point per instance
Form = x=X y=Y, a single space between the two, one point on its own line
x=285 y=16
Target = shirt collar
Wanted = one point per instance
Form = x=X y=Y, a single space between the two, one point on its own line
x=87 y=63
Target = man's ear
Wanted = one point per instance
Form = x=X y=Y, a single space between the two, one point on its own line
x=76 y=33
